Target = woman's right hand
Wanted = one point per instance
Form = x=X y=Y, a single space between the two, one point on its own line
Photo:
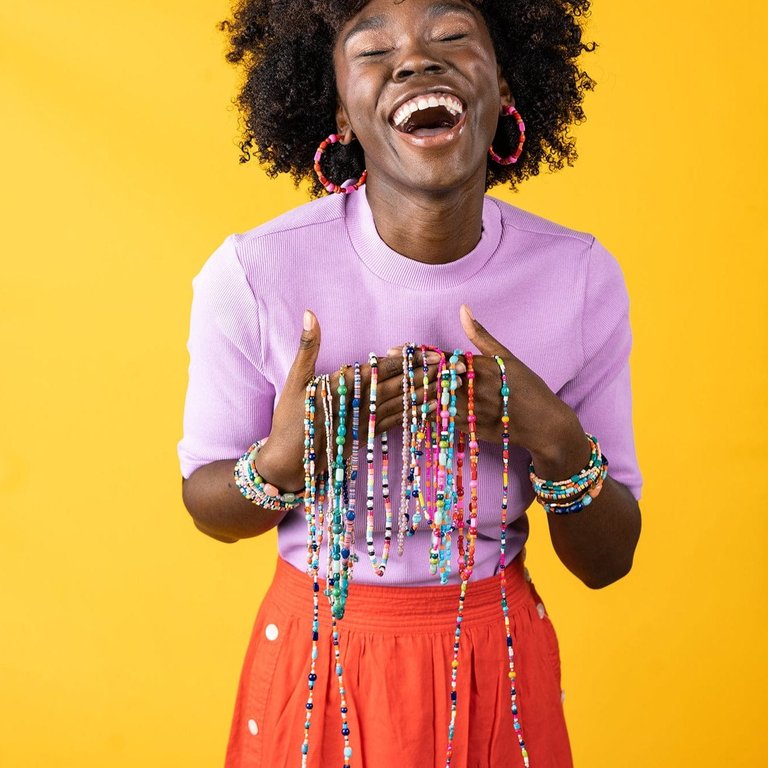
x=281 y=460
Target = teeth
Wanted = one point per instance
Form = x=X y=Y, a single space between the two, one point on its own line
x=427 y=101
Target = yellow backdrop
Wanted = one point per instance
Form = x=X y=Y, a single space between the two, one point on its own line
x=122 y=627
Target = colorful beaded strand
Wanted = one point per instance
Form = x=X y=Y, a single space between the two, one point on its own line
x=379 y=564
x=466 y=563
x=354 y=466
x=409 y=428
x=313 y=547
x=337 y=577
x=503 y=556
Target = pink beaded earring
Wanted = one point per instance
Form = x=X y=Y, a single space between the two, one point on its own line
x=347 y=186
x=509 y=110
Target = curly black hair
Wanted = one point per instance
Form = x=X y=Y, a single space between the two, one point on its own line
x=288 y=98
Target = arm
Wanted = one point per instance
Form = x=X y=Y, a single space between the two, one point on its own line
x=211 y=495
x=598 y=543
x=217 y=507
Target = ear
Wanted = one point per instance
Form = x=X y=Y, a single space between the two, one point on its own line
x=504 y=90
x=343 y=125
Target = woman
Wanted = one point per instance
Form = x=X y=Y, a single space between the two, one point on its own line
x=414 y=92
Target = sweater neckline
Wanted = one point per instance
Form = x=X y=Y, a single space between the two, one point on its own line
x=393 y=267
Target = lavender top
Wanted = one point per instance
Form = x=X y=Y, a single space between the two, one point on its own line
x=554 y=296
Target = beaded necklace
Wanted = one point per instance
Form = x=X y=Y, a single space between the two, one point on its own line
x=379 y=564
x=503 y=556
x=441 y=502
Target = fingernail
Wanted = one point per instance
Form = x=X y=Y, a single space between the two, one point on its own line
x=433 y=357
x=461 y=368
x=432 y=405
x=309 y=321
x=469 y=312
x=392 y=351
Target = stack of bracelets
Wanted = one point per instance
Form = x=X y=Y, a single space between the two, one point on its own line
x=432 y=491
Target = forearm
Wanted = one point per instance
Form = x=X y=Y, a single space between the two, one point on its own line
x=219 y=509
x=598 y=543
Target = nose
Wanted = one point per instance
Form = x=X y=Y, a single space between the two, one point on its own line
x=416 y=59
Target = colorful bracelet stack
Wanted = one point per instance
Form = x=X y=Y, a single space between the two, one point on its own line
x=561 y=497
x=256 y=489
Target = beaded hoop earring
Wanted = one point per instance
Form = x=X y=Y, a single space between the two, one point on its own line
x=346 y=188
x=509 y=110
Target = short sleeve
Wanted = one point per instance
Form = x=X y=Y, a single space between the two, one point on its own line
x=601 y=393
x=229 y=402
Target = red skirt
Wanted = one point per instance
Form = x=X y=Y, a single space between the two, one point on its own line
x=396 y=647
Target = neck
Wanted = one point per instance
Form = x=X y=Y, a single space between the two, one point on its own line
x=433 y=228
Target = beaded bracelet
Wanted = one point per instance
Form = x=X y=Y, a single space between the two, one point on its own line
x=253 y=486
x=554 y=490
x=581 y=501
x=563 y=497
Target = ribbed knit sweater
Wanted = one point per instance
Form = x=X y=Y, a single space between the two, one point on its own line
x=553 y=296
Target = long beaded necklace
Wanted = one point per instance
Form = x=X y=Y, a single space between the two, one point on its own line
x=314 y=534
x=379 y=564
x=503 y=556
x=313 y=555
x=465 y=571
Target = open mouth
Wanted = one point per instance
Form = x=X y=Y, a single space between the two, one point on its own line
x=428 y=114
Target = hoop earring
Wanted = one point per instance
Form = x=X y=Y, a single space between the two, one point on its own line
x=348 y=186
x=507 y=111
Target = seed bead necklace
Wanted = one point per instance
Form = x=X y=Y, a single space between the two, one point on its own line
x=311 y=509
x=503 y=556
x=344 y=709
x=465 y=571
x=379 y=565
x=442 y=502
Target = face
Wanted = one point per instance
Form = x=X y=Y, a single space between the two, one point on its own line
x=419 y=87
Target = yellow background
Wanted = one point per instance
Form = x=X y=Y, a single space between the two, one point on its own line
x=122 y=628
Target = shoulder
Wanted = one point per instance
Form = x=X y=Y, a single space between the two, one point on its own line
x=298 y=223
x=278 y=242
x=569 y=248
x=537 y=227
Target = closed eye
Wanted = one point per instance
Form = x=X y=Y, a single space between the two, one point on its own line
x=450 y=38
x=373 y=53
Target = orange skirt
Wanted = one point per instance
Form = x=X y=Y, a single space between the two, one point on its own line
x=396 y=648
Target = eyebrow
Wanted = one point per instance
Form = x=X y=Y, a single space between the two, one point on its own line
x=440 y=9
x=372 y=22
x=378 y=22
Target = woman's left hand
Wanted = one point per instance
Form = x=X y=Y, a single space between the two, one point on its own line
x=539 y=421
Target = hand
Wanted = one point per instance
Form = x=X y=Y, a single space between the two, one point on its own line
x=539 y=420
x=281 y=460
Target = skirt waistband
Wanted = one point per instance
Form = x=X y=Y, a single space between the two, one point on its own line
x=371 y=607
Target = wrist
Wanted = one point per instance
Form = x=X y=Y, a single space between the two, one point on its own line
x=272 y=467
x=565 y=449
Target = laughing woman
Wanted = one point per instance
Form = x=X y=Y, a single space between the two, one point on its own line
x=392 y=106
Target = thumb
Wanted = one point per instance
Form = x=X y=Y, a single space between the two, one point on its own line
x=303 y=367
x=485 y=343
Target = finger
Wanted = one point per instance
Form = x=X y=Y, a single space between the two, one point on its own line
x=431 y=355
x=392 y=388
x=483 y=340
x=394 y=405
x=303 y=367
x=392 y=364
x=395 y=420
x=432 y=358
